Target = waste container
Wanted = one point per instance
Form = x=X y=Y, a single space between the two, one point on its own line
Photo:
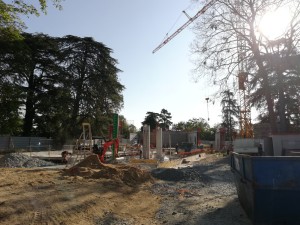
x=268 y=188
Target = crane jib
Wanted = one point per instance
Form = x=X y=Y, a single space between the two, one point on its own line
x=200 y=12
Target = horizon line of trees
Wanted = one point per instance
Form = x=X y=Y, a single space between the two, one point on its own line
x=163 y=120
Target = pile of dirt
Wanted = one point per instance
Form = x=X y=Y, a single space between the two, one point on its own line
x=91 y=167
x=19 y=160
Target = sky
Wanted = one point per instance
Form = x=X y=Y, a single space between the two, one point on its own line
x=133 y=29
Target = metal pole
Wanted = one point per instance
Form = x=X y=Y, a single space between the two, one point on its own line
x=207 y=108
x=170 y=145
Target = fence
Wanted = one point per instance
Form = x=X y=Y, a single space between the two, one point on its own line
x=12 y=144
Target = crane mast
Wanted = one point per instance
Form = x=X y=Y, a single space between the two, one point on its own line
x=200 y=12
x=246 y=128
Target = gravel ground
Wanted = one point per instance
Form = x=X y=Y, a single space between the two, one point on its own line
x=201 y=194
x=19 y=160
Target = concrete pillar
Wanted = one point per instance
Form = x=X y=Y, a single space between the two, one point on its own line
x=146 y=142
x=158 y=143
x=217 y=141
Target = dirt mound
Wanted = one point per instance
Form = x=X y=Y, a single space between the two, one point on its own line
x=91 y=167
x=128 y=174
x=92 y=161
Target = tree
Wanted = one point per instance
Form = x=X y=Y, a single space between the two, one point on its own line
x=61 y=82
x=196 y=124
x=164 y=119
x=230 y=111
x=126 y=128
x=30 y=66
x=91 y=79
x=179 y=126
x=10 y=120
x=208 y=134
x=191 y=125
x=284 y=79
x=11 y=24
x=228 y=42
x=151 y=119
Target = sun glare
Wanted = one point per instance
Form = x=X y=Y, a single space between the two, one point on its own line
x=274 y=24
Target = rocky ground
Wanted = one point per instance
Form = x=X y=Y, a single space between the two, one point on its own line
x=18 y=160
x=202 y=192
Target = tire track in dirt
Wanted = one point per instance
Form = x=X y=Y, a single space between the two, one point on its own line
x=37 y=218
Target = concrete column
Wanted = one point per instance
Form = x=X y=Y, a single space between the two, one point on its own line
x=146 y=142
x=158 y=143
x=217 y=141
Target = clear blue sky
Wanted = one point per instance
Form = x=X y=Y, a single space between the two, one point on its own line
x=133 y=28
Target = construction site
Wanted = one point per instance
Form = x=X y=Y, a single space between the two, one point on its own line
x=244 y=173
x=100 y=182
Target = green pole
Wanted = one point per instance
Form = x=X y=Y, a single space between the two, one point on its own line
x=115 y=131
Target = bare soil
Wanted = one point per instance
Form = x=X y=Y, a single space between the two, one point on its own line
x=109 y=194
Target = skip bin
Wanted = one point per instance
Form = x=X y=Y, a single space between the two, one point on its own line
x=268 y=188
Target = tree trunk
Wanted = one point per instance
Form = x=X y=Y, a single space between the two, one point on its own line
x=270 y=102
x=29 y=111
x=281 y=105
x=265 y=81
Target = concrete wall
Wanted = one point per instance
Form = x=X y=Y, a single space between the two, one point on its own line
x=247 y=145
x=285 y=141
x=174 y=137
x=192 y=138
x=169 y=138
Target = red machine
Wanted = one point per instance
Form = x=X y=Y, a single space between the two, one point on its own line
x=106 y=145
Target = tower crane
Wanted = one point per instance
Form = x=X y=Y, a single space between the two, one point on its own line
x=191 y=19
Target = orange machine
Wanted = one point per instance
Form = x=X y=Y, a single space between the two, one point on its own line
x=106 y=145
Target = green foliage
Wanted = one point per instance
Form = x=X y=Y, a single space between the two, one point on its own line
x=196 y=124
x=162 y=119
x=208 y=134
x=126 y=128
x=11 y=24
x=230 y=112
x=192 y=125
x=151 y=119
x=29 y=66
x=10 y=121
x=62 y=82
x=179 y=126
x=282 y=64
x=91 y=77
